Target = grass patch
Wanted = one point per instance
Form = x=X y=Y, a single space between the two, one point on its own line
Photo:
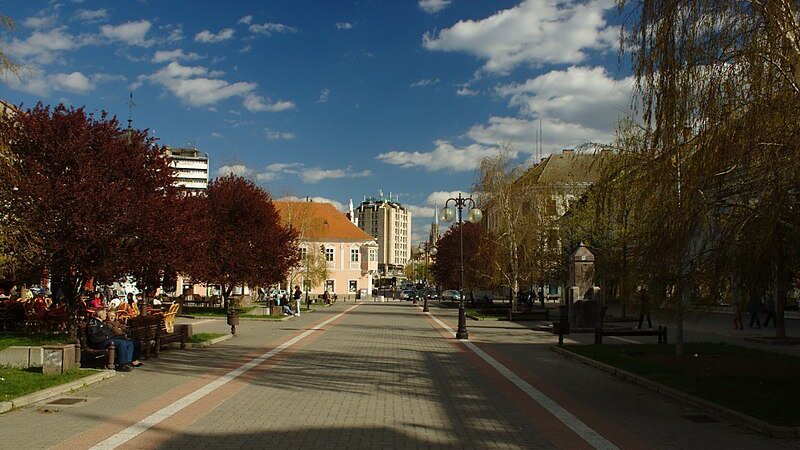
x=202 y=311
x=18 y=382
x=32 y=340
x=203 y=337
x=761 y=384
x=487 y=315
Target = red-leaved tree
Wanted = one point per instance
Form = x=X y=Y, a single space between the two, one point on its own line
x=86 y=188
x=447 y=266
x=244 y=242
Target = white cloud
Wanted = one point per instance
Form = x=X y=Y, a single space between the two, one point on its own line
x=323 y=95
x=36 y=81
x=344 y=25
x=43 y=47
x=293 y=198
x=88 y=15
x=37 y=22
x=440 y=197
x=246 y=49
x=235 y=169
x=71 y=82
x=257 y=103
x=433 y=6
x=466 y=92
x=589 y=97
x=444 y=157
x=269 y=28
x=535 y=32
x=209 y=37
x=315 y=175
x=217 y=135
x=175 y=32
x=196 y=85
x=131 y=33
x=174 y=55
x=246 y=20
x=425 y=82
x=107 y=77
x=309 y=175
x=279 y=135
x=420 y=212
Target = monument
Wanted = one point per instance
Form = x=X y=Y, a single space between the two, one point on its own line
x=584 y=302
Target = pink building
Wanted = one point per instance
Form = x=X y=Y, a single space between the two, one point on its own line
x=337 y=255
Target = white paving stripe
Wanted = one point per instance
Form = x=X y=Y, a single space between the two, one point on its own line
x=592 y=437
x=154 y=419
x=630 y=341
x=202 y=321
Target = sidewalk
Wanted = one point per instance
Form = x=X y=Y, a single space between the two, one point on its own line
x=381 y=375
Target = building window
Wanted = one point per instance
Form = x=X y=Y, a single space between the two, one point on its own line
x=329 y=254
x=352 y=285
x=372 y=255
x=329 y=285
x=353 y=255
x=303 y=253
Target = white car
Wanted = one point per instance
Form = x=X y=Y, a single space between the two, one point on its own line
x=451 y=295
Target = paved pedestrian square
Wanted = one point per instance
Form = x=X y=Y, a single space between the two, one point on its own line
x=375 y=375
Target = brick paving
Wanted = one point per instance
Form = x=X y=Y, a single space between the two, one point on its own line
x=382 y=376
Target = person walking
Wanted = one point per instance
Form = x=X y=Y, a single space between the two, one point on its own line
x=770 y=308
x=326 y=298
x=754 y=307
x=738 y=310
x=644 y=310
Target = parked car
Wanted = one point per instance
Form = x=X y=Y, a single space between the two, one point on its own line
x=407 y=294
x=451 y=295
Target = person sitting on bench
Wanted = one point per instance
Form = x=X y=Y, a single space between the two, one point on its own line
x=287 y=309
x=121 y=332
x=100 y=336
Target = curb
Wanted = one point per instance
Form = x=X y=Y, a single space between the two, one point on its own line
x=767 y=341
x=718 y=411
x=54 y=391
x=208 y=342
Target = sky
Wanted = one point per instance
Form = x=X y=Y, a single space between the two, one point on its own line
x=334 y=100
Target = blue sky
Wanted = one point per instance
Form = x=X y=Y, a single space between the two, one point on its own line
x=334 y=99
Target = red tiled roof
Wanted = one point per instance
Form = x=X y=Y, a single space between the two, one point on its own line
x=319 y=221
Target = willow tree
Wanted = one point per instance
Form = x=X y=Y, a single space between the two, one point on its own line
x=501 y=190
x=720 y=88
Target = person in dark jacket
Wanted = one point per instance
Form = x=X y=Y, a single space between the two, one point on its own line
x=754 y=307
x=99 y=336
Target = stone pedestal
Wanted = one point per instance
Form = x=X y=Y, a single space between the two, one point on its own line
x=58 y=358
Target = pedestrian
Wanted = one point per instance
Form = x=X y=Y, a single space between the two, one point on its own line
x=738 y=310
x=644 y=310
x=541 y=296
x=326 y=298
x=754 y=307
x=770 y=308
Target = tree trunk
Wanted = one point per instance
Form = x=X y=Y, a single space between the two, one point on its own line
x=679 y=322
x=780 y=292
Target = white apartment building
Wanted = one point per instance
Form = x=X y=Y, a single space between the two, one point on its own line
x=191 y=168
x=389 y=222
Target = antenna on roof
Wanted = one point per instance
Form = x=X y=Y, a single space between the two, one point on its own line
x=130 y=111
x=541 y=153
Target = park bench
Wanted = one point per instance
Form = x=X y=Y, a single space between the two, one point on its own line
x=151 y=332
x=90 y=356
x=533 y=314
x=661 y=332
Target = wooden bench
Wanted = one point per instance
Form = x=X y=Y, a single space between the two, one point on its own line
x=92 y=355
x=151 y=332
x=661 y=332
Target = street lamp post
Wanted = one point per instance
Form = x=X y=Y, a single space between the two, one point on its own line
x=474 y=216
x=430 y=250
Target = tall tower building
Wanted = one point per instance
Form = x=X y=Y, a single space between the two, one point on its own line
x=191 y=168
x=389 y=222
x=435 y=233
